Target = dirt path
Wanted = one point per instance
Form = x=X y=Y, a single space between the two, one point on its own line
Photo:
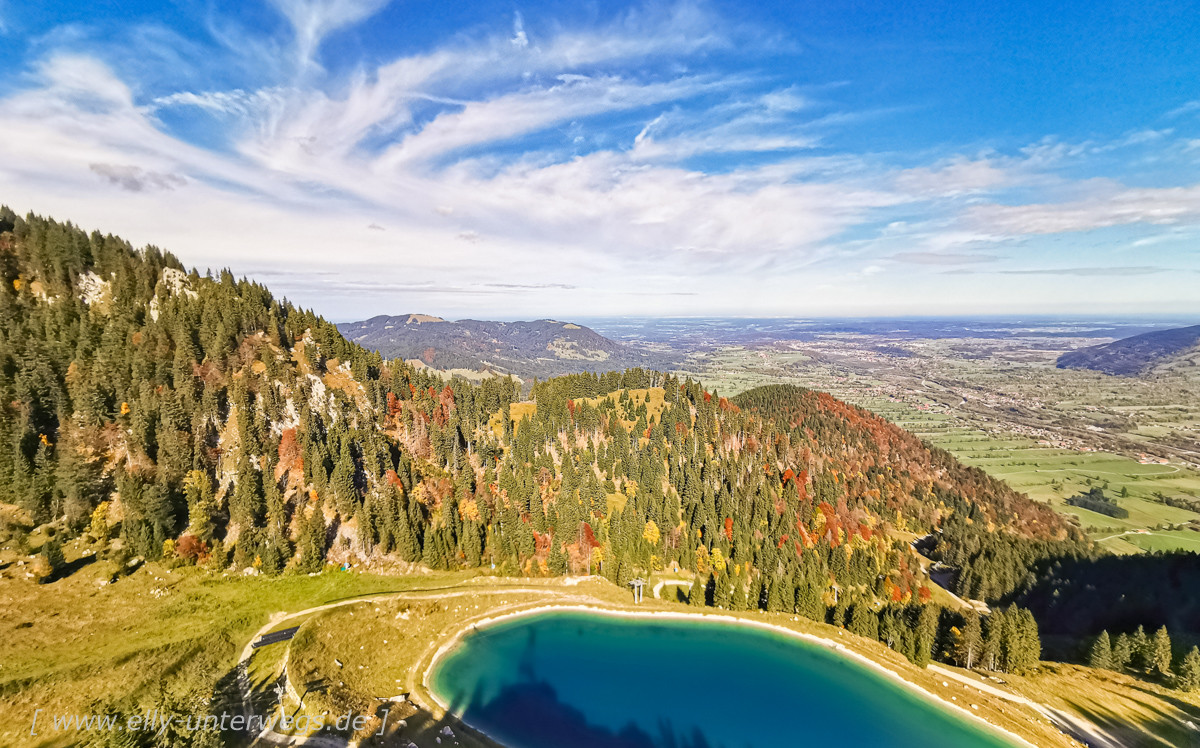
x=268 y=734
x=1174 y=469
x=1077 y=727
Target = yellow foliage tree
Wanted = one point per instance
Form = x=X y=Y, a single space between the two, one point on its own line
x=651 y=533
x=716 y=560
x=99 y=527
x=469 y=510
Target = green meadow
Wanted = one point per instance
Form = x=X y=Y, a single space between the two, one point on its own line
x=1053 y=474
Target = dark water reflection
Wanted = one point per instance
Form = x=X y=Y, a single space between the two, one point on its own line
x=577 y=679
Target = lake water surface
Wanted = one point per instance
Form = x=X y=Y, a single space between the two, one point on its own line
x=573 y=679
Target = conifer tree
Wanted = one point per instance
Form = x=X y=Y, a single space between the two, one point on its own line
x=721 y=594
x=1160 y=652
x=741 y=596
x=1122 y=652
x=1022 y=646
x=925 y=634
x=970 y=641
x=557 y=562
x=809 y=603
x=201 y=504
x=1189 y=671
x=1101 y=654
x=696 y=594
x=993 y=639
x=837 y=613
x=312 y=543
x=50 y=560
x=863 y=621
x=1140 y=649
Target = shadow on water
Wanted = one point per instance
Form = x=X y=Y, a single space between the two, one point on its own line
x=531 y=714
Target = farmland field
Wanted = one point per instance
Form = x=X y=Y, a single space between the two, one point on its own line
x=1048 y=466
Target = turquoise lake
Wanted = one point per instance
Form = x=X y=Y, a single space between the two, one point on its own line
x=581 y=680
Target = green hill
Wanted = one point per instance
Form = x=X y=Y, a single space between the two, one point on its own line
x=542 y=348
x=1138 y=354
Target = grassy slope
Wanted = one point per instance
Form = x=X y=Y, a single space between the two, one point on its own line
x=71 y=643
x=411 y=628
x=88 y=642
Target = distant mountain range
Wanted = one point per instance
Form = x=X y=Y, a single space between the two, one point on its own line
x=1136 y=355
x=541 y=348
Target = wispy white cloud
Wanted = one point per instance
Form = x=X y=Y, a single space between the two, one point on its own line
x=509 y=116
x=1154 y=206
x=1189 y=107
x=942 y=258
x=766 y=124
x=956 y=177
x=1083 y=272
x=234 y=102
x=490 y=166
x=313 y=20
x=519 y=38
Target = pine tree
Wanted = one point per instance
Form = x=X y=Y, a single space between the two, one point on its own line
x=993 y=639
x=776 y=602
x=312 y=543
x=408 y=520
x=1160 y=652
x=741 y=596
x=1122 y=652
x=1140 y=649
x=721 y=594
x=809 y=603
x=50 y=560
x=201 y=503
x=970 y=641
x=1189 y=671
x=838 y=613
x=1101 y=654
x=863 y=621
x=1022 y=645
x=925 y=634
x=696 y=594
x=557 y=562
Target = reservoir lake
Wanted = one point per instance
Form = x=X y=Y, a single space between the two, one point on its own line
x=588 y=680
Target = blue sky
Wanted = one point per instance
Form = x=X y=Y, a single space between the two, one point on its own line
x=505 y=160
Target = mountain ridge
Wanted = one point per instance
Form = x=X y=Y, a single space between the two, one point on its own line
x=536 y=348
x=1135 y=355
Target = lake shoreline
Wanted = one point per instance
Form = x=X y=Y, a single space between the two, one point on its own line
x=456 y=638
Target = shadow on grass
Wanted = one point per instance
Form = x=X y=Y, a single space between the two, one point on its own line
x=69 y=568
x=1157 y=728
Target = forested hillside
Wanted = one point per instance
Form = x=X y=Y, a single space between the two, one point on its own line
x=162 y=404
x=167 y=413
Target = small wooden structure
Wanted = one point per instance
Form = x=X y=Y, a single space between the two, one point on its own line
x=638 y=585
